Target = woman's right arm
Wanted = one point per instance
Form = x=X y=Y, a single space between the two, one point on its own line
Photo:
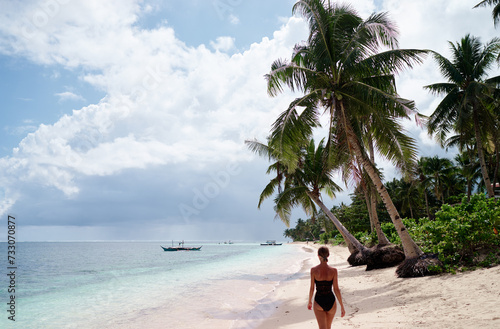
x=311 y=291
x=336 y=289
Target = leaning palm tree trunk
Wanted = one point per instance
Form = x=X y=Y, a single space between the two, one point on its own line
x=352 y=243
x=377 y=257
x=371 y=205
x=382 y=239
x=369 y=208
x=410 y=248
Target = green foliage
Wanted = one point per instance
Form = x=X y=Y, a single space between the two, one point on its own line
x=367 y=239
x=355 y=216
x=462 y=235
x=304 y=230
x=334 y=238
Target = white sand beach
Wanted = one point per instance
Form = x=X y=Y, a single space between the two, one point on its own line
x=374 y=299
x=378 y=299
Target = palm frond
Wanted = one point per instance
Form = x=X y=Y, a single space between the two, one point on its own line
x=292 y=129
x=392 y=61
x=286 y=201
x=496 y=8
x=268 y=191
x=442 y=88
x=448 y=70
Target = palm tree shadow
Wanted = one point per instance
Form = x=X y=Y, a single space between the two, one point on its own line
x=382 y=297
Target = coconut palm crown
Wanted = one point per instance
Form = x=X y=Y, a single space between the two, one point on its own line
x=304 y=186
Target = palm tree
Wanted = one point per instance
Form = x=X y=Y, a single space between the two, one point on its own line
x=467 y=161
x=303 y=187
x=469 y=169
x=466 y=94
x=436 y=171
x=369 y=192
x=496 y=8
x=341 y=70
x=366 y=183
x=410 y=196
x=423 y=183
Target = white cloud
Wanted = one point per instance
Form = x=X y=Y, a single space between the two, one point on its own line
x=69 y=96
x=233 y=19
x=167 y=103
x=223 y=43
x=27 y=127
x=55 y=31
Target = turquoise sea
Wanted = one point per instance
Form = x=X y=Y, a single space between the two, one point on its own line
x=138 y=285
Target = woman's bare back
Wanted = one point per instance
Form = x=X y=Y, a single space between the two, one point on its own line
x=323 y=272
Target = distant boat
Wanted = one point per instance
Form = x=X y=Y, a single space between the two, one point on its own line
x=271 y=243
x=180 y=248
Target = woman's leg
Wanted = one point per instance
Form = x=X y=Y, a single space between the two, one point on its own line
x=329 y=316
x=321 y=316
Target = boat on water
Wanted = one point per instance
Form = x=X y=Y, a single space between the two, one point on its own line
x=271 y=243
x=180 y=247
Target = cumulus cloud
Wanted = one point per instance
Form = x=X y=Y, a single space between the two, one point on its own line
x=166 y=103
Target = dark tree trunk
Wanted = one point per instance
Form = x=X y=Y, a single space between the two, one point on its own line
x=409 y=246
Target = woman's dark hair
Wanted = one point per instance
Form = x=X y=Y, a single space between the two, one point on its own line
x=324 y=252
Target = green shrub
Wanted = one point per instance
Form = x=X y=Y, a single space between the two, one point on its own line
x=333 y=238
x=462 y=235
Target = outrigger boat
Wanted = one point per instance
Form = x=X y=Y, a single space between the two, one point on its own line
x=181 y=247
x=271 y=243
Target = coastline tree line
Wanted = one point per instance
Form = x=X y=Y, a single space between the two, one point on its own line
x=345 y=72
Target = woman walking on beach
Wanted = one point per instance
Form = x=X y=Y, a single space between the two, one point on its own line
x=324 y=277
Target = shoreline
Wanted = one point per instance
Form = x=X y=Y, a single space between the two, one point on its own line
x=378 y=299
x=271 y=292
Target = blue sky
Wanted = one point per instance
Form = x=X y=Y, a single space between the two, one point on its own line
x=126 y=119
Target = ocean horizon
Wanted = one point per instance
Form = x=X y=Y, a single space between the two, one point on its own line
x=114 y=284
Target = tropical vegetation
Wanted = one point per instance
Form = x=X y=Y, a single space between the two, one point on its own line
x=463 y=231
x=345 y=73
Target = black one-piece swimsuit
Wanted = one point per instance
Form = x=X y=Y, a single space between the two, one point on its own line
x=324 y=294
